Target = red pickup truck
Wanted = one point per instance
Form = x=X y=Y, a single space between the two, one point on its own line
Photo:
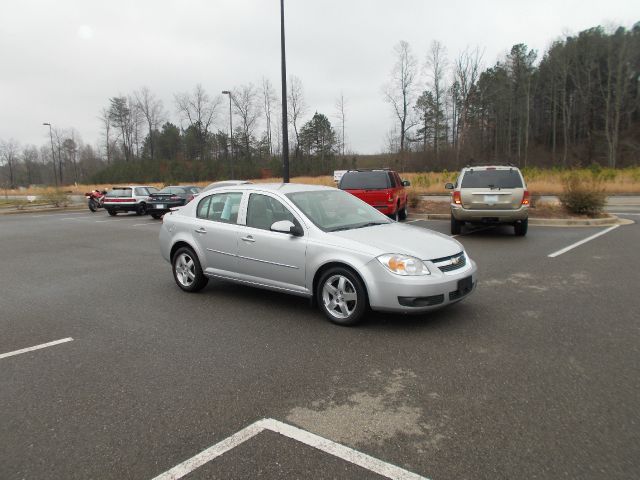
x=382 y=189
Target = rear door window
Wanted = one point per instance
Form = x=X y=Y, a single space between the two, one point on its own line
x=491 y=179
x=222 y=207
x=364 y=181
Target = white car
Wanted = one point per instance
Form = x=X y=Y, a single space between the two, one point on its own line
x=130 y=198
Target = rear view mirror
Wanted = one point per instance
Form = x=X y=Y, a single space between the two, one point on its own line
x=406 y=183
x=449 y=186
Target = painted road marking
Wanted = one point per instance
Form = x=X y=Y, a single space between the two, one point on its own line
x=56 y=214
x=140 y=224
x=581 y=242
x=328 y=446
x=623 y=213
x=37 y=347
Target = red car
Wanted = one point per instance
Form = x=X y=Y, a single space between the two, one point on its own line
x=382 y=189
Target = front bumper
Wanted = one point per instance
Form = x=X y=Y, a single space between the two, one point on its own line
x=393 y=293
x=489 y=216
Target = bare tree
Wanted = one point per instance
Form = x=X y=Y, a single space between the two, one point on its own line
x=399 y=91
x=296 y=106
x=466 y=74
x=341 y=107
x=30 y=162
x=152 y=110
x=121 y=116
x=200 y=111
x=436 y=65
x=106 y=125
x=269 y=98
x=247 y=107
x=9 y=156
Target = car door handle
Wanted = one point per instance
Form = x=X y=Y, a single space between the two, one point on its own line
x=248 y=238
x=201 y=230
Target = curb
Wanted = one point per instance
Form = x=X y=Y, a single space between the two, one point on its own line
x=543 y=222
x=28 y=210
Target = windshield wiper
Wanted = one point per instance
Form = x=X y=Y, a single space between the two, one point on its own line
x=370 y=224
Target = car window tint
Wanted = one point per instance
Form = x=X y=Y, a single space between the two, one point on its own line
x=392 y=180
x=140 y=191
x=491 y=179
x=263 y=211
x=224 y=207
x=178 y=191
x=364 y=181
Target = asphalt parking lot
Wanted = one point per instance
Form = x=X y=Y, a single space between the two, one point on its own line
x=536 y=375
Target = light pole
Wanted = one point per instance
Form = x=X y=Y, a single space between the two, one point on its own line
x=285 y=130
x=53 y=157
x=227 y=92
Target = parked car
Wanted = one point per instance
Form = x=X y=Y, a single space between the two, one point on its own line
x=490 y=195
x=170 y=197
x=316 y=242
x=131 y=198
x=224 y=183
x=382 y=189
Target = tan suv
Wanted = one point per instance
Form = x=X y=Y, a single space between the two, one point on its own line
x=489 y=195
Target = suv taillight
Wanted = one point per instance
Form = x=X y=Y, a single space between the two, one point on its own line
x=456 y=197
x=525 y=198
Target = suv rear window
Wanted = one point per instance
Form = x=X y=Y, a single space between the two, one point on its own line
x=491 y=179
x=364 y=181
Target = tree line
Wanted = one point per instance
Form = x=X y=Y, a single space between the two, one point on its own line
x=576 y=103
x=579 y=104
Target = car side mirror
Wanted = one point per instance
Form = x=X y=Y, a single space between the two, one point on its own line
x=449 y=186
x=285 y=226
x=406 y=183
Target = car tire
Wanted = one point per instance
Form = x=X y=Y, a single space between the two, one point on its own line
x=520 y=228
x=157 y=216
x=187 y=271
x=341 y=296
x=141 y=209
x=112 y=212
x=395 y=215
x=456 y=226
x=402 y=215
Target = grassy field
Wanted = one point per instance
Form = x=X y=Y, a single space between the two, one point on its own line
x=540 y=182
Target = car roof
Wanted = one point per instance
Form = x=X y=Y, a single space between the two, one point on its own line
x=282 y=188
x=490 y=167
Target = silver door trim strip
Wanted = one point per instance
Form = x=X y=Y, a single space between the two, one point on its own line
x=254 y=259
x=221 y=252
x=270 y=263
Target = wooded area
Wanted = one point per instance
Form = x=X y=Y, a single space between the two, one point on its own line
x=578 y=103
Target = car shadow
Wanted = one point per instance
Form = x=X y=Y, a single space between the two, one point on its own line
x=298 y=308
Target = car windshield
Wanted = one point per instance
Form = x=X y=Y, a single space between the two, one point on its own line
x=364 y=181
x=334 y=210
x=491 y=179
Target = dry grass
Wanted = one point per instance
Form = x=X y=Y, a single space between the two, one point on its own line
x=541 y=182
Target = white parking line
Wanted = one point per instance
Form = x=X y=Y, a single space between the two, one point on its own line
x=624 y=213
x=581 y=242
x=58 y=214
x=140 y=224
x=328 y=446
x=37 y=347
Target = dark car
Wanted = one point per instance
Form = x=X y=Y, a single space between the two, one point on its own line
x=382 y=189
x=170 y=197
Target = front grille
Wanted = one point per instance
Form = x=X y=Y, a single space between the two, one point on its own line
x=448 y=264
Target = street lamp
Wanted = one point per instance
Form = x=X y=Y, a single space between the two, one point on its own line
x=53 y=157
x=285 y=131
x=227 y=92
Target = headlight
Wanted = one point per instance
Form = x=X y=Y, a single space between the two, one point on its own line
x=403 y=264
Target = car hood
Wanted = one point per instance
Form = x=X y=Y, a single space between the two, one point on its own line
x=401 y=238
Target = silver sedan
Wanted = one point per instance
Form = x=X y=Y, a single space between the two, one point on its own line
x=316 y=242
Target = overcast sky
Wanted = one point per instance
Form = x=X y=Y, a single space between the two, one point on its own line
x=61 y=61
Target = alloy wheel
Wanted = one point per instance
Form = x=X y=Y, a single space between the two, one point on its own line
x=339 y=297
